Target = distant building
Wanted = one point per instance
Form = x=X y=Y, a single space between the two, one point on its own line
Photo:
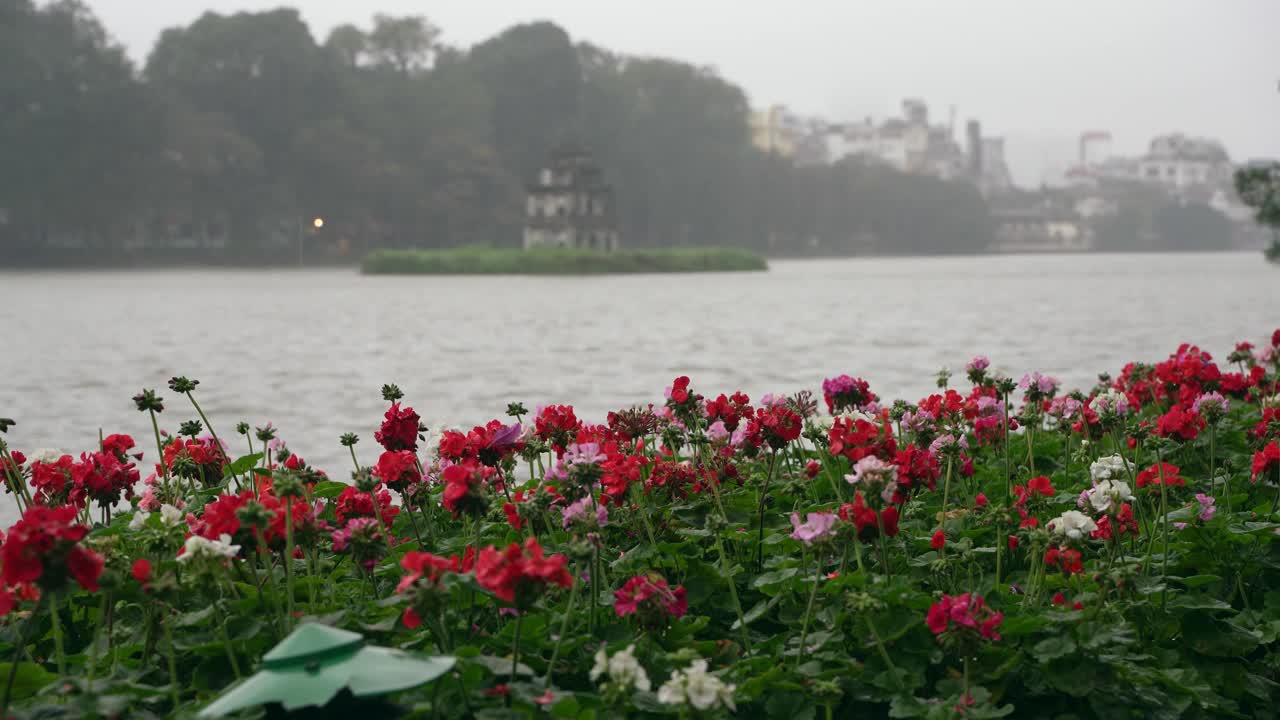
x=779 y=131
x=1179 y=162
x=907 y=143
x=570 y=205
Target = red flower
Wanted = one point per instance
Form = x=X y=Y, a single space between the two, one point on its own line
x=1266 y=459
x=43 y=546
x=1153 y=474
x=418 y=565
x=916 y=467
x=398 y=469
x=1061 y=601
x=219 y=517
x=1180 y=422
x=729 y=410
x=967 y=613
x=1042 y=486
x=557 y=425
x=776 y=425
x=117 y=445
x=352 y=503
x=464 y=488
x=1070 y=561
x=141 y=570
x=410 y=618
x=864 y=519
x=1014 y=542
x=1122 y=524
x=938 y=541
x=513 y=515
x=645 y=594
x=812 y=468
x=858 y=438
x=400 y=428
x=980 y=500
x=518 y=575
x=680 y=390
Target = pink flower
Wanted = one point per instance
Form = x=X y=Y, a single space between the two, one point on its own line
x=717 y=432
x=817 y=527
x=1207 y=508
x=979 y=362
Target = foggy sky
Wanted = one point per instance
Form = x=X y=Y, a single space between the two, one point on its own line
x=1035 y=71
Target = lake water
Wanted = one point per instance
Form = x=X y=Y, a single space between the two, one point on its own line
x=308 y=350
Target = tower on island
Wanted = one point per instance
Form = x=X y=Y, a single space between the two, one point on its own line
x=570 y=205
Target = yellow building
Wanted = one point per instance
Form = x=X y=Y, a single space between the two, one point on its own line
x=775 y=130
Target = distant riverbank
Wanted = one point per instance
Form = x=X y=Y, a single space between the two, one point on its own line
x=491 y=261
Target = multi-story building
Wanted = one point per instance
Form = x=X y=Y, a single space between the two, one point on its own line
x=777 y=130
x=570 y=205
x=908 y=143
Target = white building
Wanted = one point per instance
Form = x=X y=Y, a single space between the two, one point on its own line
x=1178 y=162
x=570 y=206
x=907 y=143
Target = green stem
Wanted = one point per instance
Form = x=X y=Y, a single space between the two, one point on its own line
x=354 y=461
x=57 y=634
x=733 y=592
x=18 y=649
x=221 y=620
x=287 y=560
x=515 y=652
x=808 y=611
x=173 y=662
x=164 y=467
x=1164 y=525
x=564 y=628
x=884 y=654
x=764 y=494
x=93 y=649
x=209 y=425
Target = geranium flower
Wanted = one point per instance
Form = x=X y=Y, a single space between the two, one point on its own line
x=864 y=519
x=518 y=575
x=1264 y=461
x=197 y=547
x=397 y=469
x=1181 y=423
x=400 y=429
x=352 y=503
x=43 y=547
x=1072 y=524
x=624 y=671
x=816 y=527
x=647 y=595
x=1152 y=476
x=967 y=614
x=697 y=687
x=464 y=485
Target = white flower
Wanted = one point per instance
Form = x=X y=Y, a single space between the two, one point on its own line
x=624 y=670
x=1112 y=467
x=698 y=687
x=1073 y=525
x=170 y=515
x=871 y=471
x=139 y=520
x=1112 y=401
x=1107 y=492
x=46 y=455
x=198 y=547
x=1272 y=401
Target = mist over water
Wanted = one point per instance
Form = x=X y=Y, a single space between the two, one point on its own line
x=308 y=350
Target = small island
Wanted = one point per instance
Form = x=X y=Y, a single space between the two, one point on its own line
x=559 y=261
x=570 y=229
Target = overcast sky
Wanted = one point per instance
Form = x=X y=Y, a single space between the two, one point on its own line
x=1036 y=71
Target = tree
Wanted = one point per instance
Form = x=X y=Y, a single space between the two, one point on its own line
x=348 y=44
x=404 y=43
x=1259 y=188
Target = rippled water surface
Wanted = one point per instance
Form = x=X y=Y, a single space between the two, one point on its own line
x=308 y=350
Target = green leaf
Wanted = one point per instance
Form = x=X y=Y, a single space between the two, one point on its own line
x=774 y=577
x=29 y=678
x=1215 y=637
x=328 y=489
x=1053 y=648
x=243 y=464
x=566 y=708
x=1195 y=581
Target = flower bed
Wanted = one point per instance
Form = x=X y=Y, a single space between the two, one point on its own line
x=504 y=261
x=999 y=548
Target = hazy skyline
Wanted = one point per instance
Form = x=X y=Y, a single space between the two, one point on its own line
x=1038 y=73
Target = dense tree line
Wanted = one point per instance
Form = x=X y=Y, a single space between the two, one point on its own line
x=241 y=128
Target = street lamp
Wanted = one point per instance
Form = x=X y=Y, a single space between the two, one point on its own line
x=318 y=223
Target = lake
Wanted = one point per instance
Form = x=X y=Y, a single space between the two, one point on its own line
x=308 y=350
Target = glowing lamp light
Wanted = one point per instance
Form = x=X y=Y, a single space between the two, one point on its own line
x=317 y=223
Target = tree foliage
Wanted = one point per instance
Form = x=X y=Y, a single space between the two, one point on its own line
x=241 y=127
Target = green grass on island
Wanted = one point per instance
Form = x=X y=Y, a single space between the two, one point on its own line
x=492 y=261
